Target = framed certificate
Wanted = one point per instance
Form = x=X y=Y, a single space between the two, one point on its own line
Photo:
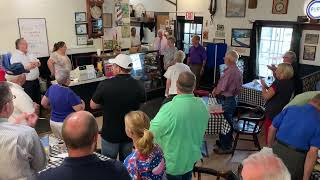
x=82 y=40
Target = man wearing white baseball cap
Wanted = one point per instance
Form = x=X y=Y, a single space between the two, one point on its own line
x=117 y=97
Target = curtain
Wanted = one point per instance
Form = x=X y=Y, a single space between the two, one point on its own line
x=254 y=43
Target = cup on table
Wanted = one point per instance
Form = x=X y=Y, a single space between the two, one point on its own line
x=99 y=52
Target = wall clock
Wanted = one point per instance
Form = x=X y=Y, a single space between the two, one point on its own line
x=280 y=6
x=95 y=11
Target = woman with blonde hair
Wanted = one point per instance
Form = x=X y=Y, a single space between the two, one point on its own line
x=146 y=162
x=278 y=94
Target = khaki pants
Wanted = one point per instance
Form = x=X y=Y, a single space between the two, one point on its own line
x=56 y=128
x=196 y=69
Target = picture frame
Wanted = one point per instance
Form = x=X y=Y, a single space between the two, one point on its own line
x=280 y=7
x=309 y=52
x=81 y=29
x=311 y=39
x=217 y=41
x=107 y=20
x=80 y=17
x=82 y=40
x=236 y=8
x=240 y=37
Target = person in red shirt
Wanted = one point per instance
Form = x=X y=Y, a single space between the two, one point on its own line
x=2 y=75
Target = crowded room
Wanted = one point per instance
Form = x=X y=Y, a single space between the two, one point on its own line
x=160 y=90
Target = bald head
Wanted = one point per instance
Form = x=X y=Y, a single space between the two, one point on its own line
x=79 y=130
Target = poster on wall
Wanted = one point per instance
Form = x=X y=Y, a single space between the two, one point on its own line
x=236 y=8
x=308 y=48
x=125 y=10
x=125 y=31
x=240 y=38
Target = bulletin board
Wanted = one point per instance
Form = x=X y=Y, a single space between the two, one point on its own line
x=310 y=48
x=34 y=31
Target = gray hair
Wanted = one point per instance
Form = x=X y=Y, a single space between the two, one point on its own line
x=186 y=82
x=12 y=78
x=62 y=76
x=292 y=55
x=273 y=167
x=234 y=54
x=179 y=56
x=5 y=94
x=161 y=31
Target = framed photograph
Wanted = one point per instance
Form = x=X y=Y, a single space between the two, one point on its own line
x=311 y=39
x=82 y=40
x=240 y=38
x=81 y=29
x=80 y=17
x=217 y=41
x=107 y=20
x=280 y=7
x=309 y=53
x=236 y=8
x=220 y=27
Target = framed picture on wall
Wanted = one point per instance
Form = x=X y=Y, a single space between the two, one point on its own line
x=311 y=39
x=80 y=17
x=280 y=7
x=240 y=37
x=309 y=53
x=82 y=40
x=236 y=8
x=107 y=20
x=81 y=29
x=216 y=40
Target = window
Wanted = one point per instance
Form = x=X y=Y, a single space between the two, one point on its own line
x=191 y=29
x=274 y=42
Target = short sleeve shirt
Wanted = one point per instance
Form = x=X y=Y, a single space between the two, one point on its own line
x=299 y=126
x=197 y=54
x=61 y=99
x=173 y=73
x=118 y=96
x=25 y=59
x=283 y=91
x=60 y=61
x=151 y=167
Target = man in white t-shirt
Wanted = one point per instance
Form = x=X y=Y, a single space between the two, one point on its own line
x=31 y=86
x=24 y=107
x=172 y=75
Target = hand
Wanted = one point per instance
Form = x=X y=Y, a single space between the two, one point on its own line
x=263 y=83
x=30 y=66
x=36 y=62
x=32 y=119
x=214 y=92
x=272 y=67
x=36 y=108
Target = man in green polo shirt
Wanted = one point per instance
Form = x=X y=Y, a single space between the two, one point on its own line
x=179 y=128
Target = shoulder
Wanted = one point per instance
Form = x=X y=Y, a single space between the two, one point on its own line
x=114 y=166
x=49 y=174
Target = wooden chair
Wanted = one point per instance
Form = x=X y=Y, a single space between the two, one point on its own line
x=229 y=175
x=249 y=123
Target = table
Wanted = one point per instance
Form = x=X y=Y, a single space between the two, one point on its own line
x=57 y=149
x=217 y=123
x=251 y=93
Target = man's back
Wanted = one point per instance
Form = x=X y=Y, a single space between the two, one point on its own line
x=84 y=168
x=179 y=128
x=22 y=155
x=118 y=96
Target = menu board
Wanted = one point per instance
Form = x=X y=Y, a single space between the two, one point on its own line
x=34 y=31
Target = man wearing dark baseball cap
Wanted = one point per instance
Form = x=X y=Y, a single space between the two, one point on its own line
x=25 y=110
x=117 y=97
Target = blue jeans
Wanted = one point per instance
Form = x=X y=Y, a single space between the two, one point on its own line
x=229 y=106
x=112 y=150
x=186 y=176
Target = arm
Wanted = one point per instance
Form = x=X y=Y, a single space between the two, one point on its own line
x=50 y=64
x=168 y=84
x=97 y=98
x=267 y=93
x=79 y=107
x=272 y=135
x=94 y=105
x=45 y=102
x=39 y=160
x=310 y=162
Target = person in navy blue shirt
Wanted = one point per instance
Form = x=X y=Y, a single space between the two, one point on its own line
x=80 y=134
x=62 y=101
x=297 y=133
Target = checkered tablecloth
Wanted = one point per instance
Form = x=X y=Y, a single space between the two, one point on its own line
x=57 y=149
x=252 y=95
x=217 y=123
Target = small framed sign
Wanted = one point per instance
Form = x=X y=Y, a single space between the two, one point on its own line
x=82 y=40
x=80 y=17
x=81 y=29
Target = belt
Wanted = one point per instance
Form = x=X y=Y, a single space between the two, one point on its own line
x=291 y=147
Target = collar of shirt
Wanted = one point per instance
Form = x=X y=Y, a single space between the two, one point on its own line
x=78 y=161
x=17 y=86
x=123 y=75
x=182 y=96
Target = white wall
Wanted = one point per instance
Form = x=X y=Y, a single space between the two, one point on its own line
x=263 y=12
x=59 y=16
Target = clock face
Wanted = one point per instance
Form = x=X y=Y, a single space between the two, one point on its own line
x=279 y=6
x=96 y=12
